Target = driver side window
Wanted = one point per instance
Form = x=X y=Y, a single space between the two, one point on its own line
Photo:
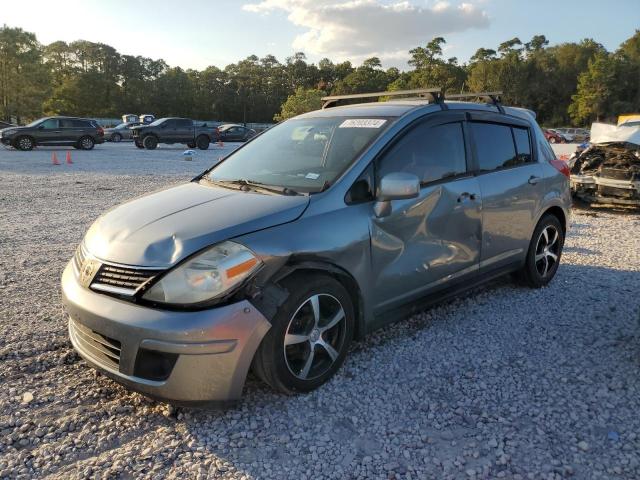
x=50 y=124
x=429 y=152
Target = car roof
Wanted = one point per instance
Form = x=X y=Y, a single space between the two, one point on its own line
x=64 y=117
x=398 y=108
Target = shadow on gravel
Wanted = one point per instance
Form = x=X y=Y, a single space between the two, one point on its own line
x=588 y=348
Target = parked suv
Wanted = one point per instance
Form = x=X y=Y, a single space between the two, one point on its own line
x=82 y=133
x=316 y=232
x=235 y=133
x=173 y=130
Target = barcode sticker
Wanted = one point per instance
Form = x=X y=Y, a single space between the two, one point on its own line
x=363 y=123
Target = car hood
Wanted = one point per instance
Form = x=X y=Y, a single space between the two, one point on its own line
x=160 y=229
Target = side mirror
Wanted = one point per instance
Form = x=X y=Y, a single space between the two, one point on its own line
x=395 y=186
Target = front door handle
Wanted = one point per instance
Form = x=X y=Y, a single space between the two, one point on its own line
x=533 y=180
x=464 y=195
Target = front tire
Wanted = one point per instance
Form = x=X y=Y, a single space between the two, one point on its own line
x=309 y=336
x=545 y=250
x=86 y=143
x=202 y=142
x=24 y=143
x=116 y=137
x=150 y=142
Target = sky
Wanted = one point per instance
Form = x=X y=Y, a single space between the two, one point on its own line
x=199 y=33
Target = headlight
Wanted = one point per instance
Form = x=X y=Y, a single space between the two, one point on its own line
x=206 y=276
x=8 y=131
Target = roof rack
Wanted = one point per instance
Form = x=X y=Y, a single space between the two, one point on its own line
x=491 y=97
x=436 y=95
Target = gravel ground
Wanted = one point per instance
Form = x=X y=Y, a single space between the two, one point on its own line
x=507 y=382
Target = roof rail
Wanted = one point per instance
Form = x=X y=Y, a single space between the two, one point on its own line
x=492 y=97
x=435 y=94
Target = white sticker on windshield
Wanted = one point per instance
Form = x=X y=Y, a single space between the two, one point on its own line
x=312 y=176
x=363 y=123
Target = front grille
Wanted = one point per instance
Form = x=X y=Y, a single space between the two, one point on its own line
x=121 y=280
x=103 y=349
x=616 y=173
x=607 y=191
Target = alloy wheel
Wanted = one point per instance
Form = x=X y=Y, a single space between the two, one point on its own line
x=547 y=250
x=315 y=336
x=86 y=143
x=25 y=143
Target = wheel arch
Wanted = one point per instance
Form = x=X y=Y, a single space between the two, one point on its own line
x=559 y=213
x=323 y=267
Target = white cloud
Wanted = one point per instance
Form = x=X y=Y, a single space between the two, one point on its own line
x=357 y=29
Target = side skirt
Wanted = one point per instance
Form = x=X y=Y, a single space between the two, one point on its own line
x=441 y=295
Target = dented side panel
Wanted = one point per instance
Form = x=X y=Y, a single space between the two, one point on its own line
x=425 y=242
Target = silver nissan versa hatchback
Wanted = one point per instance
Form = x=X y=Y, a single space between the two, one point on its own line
x=312 y=234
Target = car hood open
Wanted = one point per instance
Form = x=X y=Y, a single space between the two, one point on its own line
x=160 y=229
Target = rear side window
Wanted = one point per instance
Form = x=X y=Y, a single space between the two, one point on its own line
x=494 y=146
x=183 y=123
x=429 y=152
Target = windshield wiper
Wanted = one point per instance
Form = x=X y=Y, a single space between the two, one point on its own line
x=256 y=185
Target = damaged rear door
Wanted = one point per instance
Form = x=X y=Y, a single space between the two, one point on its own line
x=432 y=240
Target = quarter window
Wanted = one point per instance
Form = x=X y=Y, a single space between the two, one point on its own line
x=523 y=146
x=430 y=153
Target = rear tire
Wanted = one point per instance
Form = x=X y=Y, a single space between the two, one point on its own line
x=86 y=143
x=150 y=142
x=24 y=143
x=545 y=251
x=202 y=142
x=309 y=336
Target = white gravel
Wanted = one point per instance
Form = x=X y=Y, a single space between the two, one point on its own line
x=507 y=382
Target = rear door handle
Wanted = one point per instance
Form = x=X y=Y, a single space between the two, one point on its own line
x=464 y=195
x=533 y=180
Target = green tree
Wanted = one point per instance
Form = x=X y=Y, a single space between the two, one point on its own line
x=24 y=80
x=594 y=90
x=302 y=101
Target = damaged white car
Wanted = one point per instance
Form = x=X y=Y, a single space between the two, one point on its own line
x=608 y=171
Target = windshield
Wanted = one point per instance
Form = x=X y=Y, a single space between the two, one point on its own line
x=157 y=122
x=305 y=155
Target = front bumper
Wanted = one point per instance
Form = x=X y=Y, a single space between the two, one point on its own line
x=212 y=349
x=6 y=141
x=596 y=189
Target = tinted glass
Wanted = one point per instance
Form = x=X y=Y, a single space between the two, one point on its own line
x=494 y=146
x=523 y=146
x=430 y=153
x=50 y=123
x=183 y=123
x=306 y=154
x=66 y=123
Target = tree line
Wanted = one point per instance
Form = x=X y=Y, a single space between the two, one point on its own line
x=570 y=83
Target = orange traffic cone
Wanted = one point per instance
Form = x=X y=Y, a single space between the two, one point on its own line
x=69 y=161
x=54 y=159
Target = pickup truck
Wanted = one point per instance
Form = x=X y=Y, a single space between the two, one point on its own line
x=173 y=130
